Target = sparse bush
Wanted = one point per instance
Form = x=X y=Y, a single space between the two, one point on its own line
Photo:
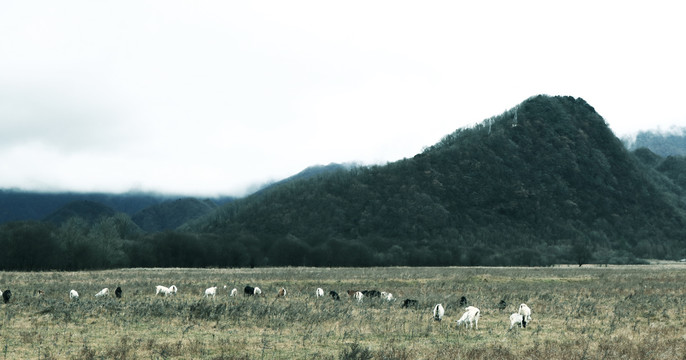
x=355 y=351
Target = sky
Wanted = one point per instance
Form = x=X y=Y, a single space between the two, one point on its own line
x=218 y=97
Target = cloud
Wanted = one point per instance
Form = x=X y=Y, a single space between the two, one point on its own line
x=216 y=96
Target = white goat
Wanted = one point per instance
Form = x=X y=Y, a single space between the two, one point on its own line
x=165 y=290
x=516 y=319
x=439 y=311
x=359 y=296
x=211 y=291
x=470 y=317
x=319 y=292
x=387 y=296
x=234 y=292
x=103 y=292
x=525 y=311
x=73 y=295
x=258 y=291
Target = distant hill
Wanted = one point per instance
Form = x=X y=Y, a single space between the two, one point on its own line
x=16 y=205
x=309 y=172
x=672 y=143
x=89 y=211
x=171 y=214
x=671 y=167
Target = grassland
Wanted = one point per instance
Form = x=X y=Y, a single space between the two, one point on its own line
x=578 y=313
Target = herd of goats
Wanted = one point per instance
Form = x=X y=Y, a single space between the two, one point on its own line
x=470 y=318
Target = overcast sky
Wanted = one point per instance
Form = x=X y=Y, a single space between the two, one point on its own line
x=214 y=97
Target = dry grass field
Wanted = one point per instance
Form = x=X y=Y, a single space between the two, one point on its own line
x=592 y=312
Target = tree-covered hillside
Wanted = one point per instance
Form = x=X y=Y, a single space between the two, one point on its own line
x=172 y=214
x=545 y=182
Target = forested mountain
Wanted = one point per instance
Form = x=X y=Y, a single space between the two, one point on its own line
x=89 y=211
x=18 y=205
x=545 y=182
x=172 y=214
x=24 y=205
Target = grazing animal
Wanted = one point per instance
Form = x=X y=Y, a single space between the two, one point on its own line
x=471 y=317
x=234 y=292
x=410 y=302
x=351 y=293
x=73 y=295
x=463 y=301
x=516 y=319
x=439 y=311
x=502 y=305
x=334 y=295
x=6 y=296
x=103 y=292
x=358 y=296
x=525 y=311
x=166 y=291
x=249 y=290
x=117 y=292
x=319 y=292
x=371 y=293
x=281 y=293
x=210 y=291
x=258 y=291
x=387 y=296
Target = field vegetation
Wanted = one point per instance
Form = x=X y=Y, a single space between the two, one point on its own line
x=578 y=313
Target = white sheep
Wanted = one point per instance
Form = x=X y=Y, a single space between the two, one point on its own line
x=525 y=311
x=319 y=292
x=73 y=295
x=470 y=317
x=210 y=291
x=515 y=319
x=358 y=296
x=234 y=292
x=103 y=292
x=439 y=311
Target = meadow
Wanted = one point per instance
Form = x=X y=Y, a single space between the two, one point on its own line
x=585 y=312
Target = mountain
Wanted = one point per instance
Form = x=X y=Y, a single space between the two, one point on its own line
x=311 y=171
x=25 y=205
x=671 y=143
x=17 y=205
x=544 y=182
x=89 y=211
x=671 y=167
x=171 y=214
